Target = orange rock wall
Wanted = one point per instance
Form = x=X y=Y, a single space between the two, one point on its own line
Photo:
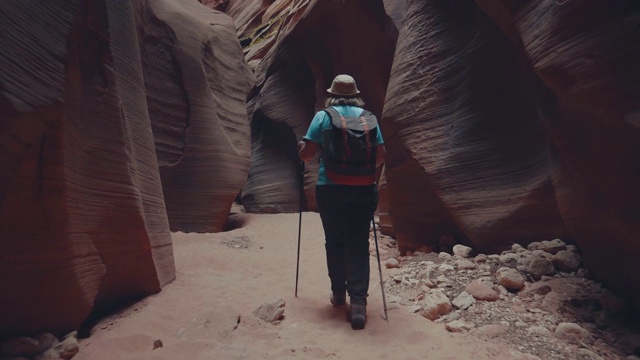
x=89 y=90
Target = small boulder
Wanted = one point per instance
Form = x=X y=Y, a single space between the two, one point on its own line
x=509 y=259
x=66 y=349
x=270 y=311
x=481 y=291
x=463 y=251
x=46 y=341
x=510 y=279
x=392 y=263
x=436 y=304
x=539 y=331
x=459 y=326
x=553 y=246
x=463 y=301
x=573 y=333
x=465 y=264
x=481 y=259
x=566 y=261
x=539 y=267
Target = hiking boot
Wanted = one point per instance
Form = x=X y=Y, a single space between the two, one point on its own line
x=338 y=300
x=358 y=316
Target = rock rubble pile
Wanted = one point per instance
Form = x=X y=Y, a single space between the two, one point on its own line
x=45 y=346
x=540 y=300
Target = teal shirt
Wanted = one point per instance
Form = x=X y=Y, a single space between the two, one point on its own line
x=322 y=121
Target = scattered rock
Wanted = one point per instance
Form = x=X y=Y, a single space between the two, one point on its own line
x=435 y=304
x=526 y=317
x=517 y=248
x=481 y=259
x=270 y=311
x=392 y=263
x=157 y=344
x=66 y=349
x=46 y=341
x=539 y=267
x=510 y=279
x=462 y=250
x=540 y=331
x=553 y=246
x=481 y=291
x=573 y=334
x=465 y=264
x=566 y=261
x=463 y=301
x=459 y=326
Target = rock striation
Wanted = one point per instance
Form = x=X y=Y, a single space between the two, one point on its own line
x=196 y=83
x=106 y=109
x=296 y=48
x=511 y=123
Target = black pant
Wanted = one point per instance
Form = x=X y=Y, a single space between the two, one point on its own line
x=346 y=213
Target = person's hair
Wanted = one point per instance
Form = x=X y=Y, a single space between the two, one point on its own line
x=339 y=100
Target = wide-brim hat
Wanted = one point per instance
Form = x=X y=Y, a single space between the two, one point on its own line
x=343 y=85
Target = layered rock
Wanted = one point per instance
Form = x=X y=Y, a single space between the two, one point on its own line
x=83 y=105
x=467 y=154
x=515 y=122
x=586 y=55
x=196 y=85
x=296 y=48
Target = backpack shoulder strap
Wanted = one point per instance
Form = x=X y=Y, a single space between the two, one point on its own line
x=333 y=113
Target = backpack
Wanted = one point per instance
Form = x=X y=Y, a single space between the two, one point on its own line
x=349 y=149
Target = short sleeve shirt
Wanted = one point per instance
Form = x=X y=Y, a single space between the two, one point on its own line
x=322 y=121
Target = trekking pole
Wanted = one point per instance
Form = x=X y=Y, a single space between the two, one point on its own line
x=384 y=300
x=300 y=225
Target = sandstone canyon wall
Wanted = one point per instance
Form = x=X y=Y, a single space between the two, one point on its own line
x=505 y=122
x=518 y=122
x=296 y=48
x=88 y=91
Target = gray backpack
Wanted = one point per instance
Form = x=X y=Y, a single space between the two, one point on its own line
x=349 y=148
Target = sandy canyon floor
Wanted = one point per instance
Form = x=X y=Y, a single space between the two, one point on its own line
x=207 y=312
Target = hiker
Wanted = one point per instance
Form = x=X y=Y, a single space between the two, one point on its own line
x=346 y=192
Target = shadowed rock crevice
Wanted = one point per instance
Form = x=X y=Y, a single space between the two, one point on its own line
x=274 y=157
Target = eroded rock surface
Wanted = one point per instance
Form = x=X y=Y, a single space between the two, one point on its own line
x=115 y=92
x=511 y=123
x=196 y=86
x=296 y=48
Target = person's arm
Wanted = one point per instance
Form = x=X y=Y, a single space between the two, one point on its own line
x=307 y=150
x=308 y=146
x=381 y=153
